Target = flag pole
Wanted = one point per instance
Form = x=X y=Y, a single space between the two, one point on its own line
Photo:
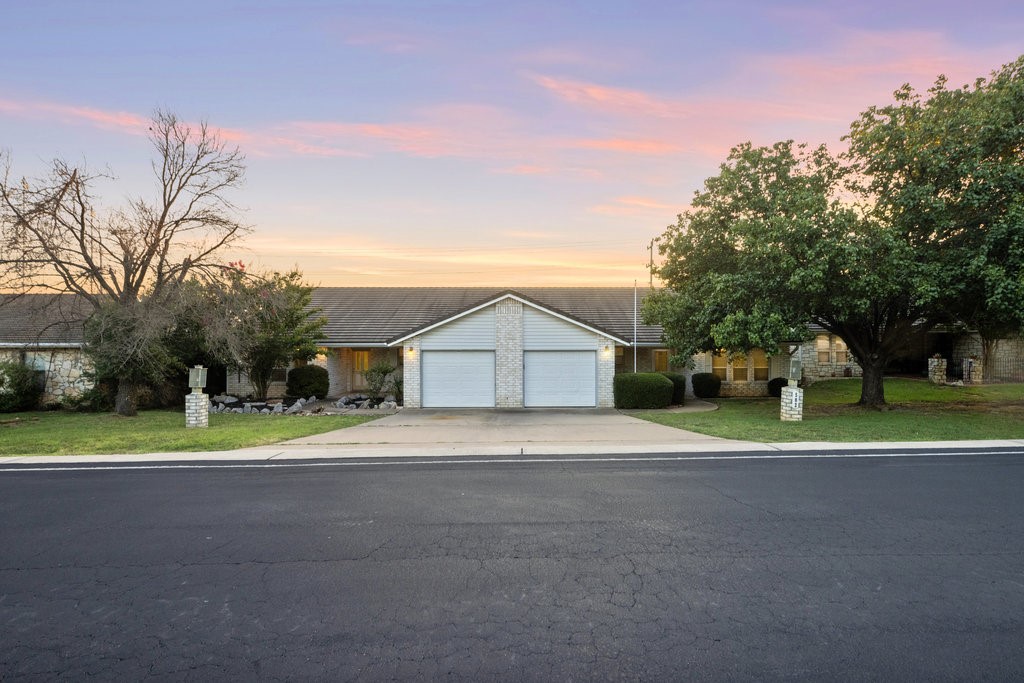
x=634 y=325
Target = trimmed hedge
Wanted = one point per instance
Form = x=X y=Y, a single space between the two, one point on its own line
x=706 y=385
x=642 y=390
x=775 y=386
x=679 y=387
x=308 y=380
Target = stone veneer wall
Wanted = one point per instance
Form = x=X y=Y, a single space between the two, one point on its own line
x=1008 y=356
x=67 y=370
x=508 y=354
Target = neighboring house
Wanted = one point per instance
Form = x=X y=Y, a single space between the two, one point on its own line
x=44 y=332
x=466 y=347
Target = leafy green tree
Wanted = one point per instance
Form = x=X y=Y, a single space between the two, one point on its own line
x=951 y=166
x=262 y=322
x=918 y=224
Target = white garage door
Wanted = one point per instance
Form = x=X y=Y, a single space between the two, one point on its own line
x=560 y=379
x=458 y=379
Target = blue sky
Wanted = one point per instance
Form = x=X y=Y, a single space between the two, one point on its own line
x=448 y=143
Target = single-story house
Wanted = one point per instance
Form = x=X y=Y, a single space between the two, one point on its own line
x=44 y=332
x=463 y=346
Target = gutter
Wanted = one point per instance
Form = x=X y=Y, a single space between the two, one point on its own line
x=41 y=345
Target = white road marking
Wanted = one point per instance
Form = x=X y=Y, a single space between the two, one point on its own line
x=277 y=464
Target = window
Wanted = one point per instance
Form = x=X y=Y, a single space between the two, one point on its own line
x=719 y=363
x=739 y=368
x=759 y=363
x=822 y=342
x=842 y=354
x=279 y=375
x=661 y=360
x=360 y=364
x=360 y=361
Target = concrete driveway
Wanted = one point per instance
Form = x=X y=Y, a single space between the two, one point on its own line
x=495 y=431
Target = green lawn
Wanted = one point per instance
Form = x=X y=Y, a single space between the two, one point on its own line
x=60 y=433
x=917 y=411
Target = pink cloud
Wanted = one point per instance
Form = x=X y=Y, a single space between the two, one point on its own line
x=632 y=206
x=110 y=120
x=652 y=147
x=613 y=100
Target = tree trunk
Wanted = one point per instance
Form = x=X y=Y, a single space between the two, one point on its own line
x=125 y=401
x=872 y=391
x=260 y=384
x=988 y=357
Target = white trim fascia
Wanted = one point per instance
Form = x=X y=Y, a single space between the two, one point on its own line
x=40 y=345
x=339 y=345
x=502 y=298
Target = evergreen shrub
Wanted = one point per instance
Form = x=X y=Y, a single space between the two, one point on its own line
x=706 y=385
x=642 y=390
x=306 y=381
x=679 y=384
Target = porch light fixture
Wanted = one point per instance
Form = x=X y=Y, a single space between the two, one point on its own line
x=410 y=351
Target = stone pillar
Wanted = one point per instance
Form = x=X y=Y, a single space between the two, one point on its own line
x=937 y=370
x=792 y=406
x=508 y=354
x=197 y=409
x=972 y=371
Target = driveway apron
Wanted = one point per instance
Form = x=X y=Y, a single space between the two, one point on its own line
x=514 y=431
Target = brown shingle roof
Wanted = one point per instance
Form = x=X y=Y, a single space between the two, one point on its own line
x=376 y=315
x=49 y=319
x=358 y=316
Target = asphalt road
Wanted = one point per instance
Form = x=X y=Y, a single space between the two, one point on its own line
x=857 y=569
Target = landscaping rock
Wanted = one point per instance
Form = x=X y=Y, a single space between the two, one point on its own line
x=279 y=408
x=294 y=408
x=265 y=411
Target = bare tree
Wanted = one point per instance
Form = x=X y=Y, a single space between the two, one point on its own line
x=128 y=262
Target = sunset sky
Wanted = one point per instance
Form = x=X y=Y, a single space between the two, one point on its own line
x=449 y=143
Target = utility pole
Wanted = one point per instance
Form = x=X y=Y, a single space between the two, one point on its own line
x=650 y=264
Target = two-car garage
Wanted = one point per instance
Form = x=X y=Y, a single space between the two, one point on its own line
x=466 y=379
x=527 y=358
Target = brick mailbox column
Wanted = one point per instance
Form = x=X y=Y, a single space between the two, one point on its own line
x=792 y=406
x=197 y=409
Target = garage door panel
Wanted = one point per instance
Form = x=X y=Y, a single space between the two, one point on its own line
x=560 y=379
x=457 y=379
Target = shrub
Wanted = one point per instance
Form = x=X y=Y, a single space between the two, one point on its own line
x=378 y=379
x=642 y=390
x=19 y=389
x=97 y=399
x=306 y=381
x=775 y=386
x=679 y=387
x=706 y=385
